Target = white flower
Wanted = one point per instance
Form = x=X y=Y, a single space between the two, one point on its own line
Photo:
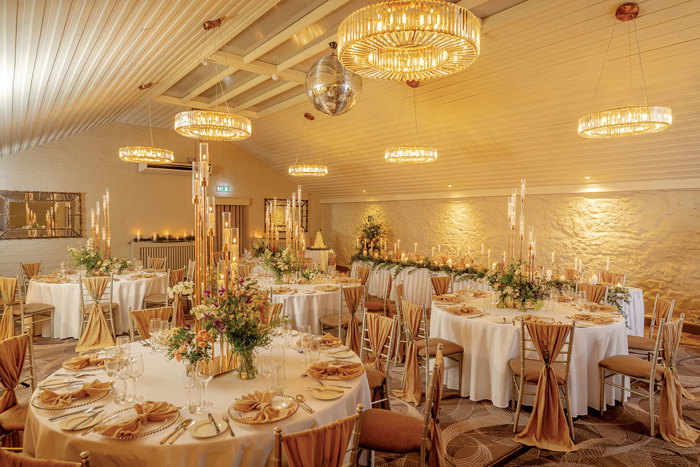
x=200 y=310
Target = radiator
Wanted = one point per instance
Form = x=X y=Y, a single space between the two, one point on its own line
x=178 y=253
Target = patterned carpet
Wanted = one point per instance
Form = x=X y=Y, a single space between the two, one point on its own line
x=478 y=434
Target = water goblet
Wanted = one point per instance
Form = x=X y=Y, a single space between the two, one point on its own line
x=122 y=344
x=134 y=371
x=204 y=374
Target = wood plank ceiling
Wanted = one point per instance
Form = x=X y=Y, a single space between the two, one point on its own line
x=76 y=64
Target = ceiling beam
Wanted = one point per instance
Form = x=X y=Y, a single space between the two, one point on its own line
x=256 y=66
x=317 y=14
x=202 y=106
x=312 y=51
x=292 y=101
x=265 y=96
x=240 y=89
x=230 y=28
x=208 y=84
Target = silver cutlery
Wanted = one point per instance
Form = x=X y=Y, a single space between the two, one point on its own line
x=85 y=420
x=56 y=385
x=326 y=388
x=177 y=428
x=59 y=417
x=74 y=375
x=334 y=385
x=186 y=427
x=213 y=423
x=224 y=417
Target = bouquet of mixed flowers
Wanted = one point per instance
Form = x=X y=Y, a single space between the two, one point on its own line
x=185 y=344
x=515 y=290
x=280 y=262
x=113 y=265
x=183 y=289
x=86 y=256
x=308 y=272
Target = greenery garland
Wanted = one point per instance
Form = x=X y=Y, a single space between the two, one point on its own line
x=617 y=296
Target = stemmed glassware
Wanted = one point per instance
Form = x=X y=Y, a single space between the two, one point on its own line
x=154 y=329
x=63 y=268
x=134 y=370
x=278 y=361
x=204 y=374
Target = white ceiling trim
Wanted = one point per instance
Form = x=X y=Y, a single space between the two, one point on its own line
x=649 y=185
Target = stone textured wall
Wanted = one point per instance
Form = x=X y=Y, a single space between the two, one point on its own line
x=652 y=235
x=88 y=163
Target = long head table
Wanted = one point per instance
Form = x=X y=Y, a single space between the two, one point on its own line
x=163 y=380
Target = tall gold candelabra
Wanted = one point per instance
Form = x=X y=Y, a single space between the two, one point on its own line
x=101 y=226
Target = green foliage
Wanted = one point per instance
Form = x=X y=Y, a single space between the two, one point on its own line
x=617 y=296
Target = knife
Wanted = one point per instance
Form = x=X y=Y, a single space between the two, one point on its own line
x=213 y=423
x=58 y=417
x=177 y=428
x=85 y=420
x=188 y=424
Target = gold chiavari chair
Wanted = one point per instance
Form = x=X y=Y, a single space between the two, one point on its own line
x=613 y=278
x=23 y=312
x=662 y=311
x=378 y=304
x=106 y=302
x=376 y=345
x=12 y=419
x=16 y=459
x=441 y=285
x=159 y=299
x=27 y=271
x=363 y=273
x=157 y=263
x=140 y=320
x=342 y=319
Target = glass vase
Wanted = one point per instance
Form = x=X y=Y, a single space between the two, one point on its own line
x=246 y=364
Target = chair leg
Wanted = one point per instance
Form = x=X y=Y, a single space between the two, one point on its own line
x=652 y=422
x=568 y=412
x=111 y=321
x=519 y=407
x=459 y=385
x=601 y=408
x=52 y=322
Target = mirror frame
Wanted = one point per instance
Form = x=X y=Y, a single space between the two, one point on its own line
x=77 y=229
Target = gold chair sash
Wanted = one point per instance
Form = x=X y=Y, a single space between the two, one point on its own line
x=11 y=459
x=31 y=269
x=441 y=284
x=608 y=277
x=437 y=453
x=570 y=274
x=244 y=270
x=143 y=318
x=363 y=274
x=378 y=330
x=12 y=354
x=8 y=287
x=663 y=307
x=322 y=446
x=176 y=276
x=547 y=427
x=179 y=305
x=96 y=334
x=594 y=293
x=156 y=263
x=353 y=297
x=274 y=312
x=411 y=389
x=671 y=424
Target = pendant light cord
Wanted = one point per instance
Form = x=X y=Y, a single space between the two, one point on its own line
x=641 y=67
x=605 y=59
x=415 y=118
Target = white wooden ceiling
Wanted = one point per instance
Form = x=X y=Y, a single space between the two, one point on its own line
x=75 y=65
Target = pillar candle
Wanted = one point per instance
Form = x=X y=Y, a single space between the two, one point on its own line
x=398 y=244
x=138 y=235
x=154 y=236
x=552 y=257
x=415 y=247
x=607 y=264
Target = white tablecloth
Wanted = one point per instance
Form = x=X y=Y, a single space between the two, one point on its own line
x=164 y=380
x=308 y=305
x=489 y=345
x=127 y=293
x=418 y=289
x=318 y=258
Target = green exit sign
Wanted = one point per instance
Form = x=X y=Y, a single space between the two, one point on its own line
x=223 y=189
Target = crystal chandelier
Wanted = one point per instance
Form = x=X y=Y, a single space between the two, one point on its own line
x=307 y=170
x=409 y=40
x=146 y=154
x=331 y=88
x=211 y=125
x=411 y=154
x=631 y=119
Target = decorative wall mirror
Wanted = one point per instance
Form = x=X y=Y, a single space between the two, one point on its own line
x=278 y=215
x=40 y=214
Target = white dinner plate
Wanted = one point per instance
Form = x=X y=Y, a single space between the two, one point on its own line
x=56 y=380
x=347 y=353
x=68 y=423
x=326 y=395
x=204 y=429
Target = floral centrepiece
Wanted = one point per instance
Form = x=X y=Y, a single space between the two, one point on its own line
x=189 y=346
x=94 y=261
x=617 y=296
x=183 y=289
x=281 y=262
x=515 y=290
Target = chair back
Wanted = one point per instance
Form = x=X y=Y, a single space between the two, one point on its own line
x=16 y=367
x=276 y=311
x=142 y=319
x=607 y=277
x=244 y=270
x=432 y=403
x=8 y=458
x=415 y=322
x=529 y=352
x=326 y=446
x=441 y=284
x=28 y=271
x=663 y=310
x=157 y=263
x=570 y=274
x=362 y=273
x=104 y=283
x=190 y=270
x=377 y=341
x=594 y=293
x=176 y=276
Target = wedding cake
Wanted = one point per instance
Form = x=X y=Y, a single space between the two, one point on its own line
x=318 y=242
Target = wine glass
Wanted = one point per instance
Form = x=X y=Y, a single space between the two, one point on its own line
x=265 y=366
x=134 y=371
x=154 y=329
x=122 y=344
x=139 y=265
x=204 y=373
x=63 y=268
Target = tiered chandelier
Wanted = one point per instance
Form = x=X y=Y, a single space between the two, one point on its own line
x=210 y=125
x=146 y=154
x=307 y=170
x=411 y=154
x=409 y=40
x=631 y=119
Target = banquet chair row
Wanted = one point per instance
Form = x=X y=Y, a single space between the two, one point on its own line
x=13 y=302
x=372 y=430
x=354 y=298
x=376 y=345
x=17 y=368
x=27 y=272
x=12 y=459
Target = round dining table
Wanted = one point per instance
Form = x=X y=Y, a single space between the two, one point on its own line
x=163 y=380
x=64 y=294
x=492 y=337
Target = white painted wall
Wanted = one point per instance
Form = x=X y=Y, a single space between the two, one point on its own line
x=88 y=163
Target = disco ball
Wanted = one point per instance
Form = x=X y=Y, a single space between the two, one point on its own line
x=331 y=88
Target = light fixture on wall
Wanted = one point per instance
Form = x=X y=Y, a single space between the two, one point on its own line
x=307 y=170
x=331 y=88
x=213 y=125
x=409 y=39
x=411 y=154
x=631 y=119
x=146 y=154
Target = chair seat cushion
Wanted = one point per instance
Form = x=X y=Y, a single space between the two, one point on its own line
x=33 y=308
x=373 y=305
x=13 y=419
x=641 y=343
x=155 y=298
x=375 y=378
x=332 y=320
x=631 y=366
x=533 y=369
x=391 y=309
x=383 y=430
x=448 y=347
x=103 y=305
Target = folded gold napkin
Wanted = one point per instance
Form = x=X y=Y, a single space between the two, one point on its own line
x=462 y=310
x=53 y=399
x=328 y=341
x=347 y=280
x=62 y=280
x=82 y=361
x=281 y=290
x=479 y=294
x=594 y=319
x=326 y=369
x=144 y=275
x=259 y=402
x=602 y=308
x=448 y=298
x=154 y=270
x=146 y=412
x=563 y=299
x=327 y=288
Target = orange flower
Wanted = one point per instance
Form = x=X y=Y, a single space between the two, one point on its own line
x=178 y=356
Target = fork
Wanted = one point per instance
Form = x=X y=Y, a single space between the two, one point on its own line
x=224 y=417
